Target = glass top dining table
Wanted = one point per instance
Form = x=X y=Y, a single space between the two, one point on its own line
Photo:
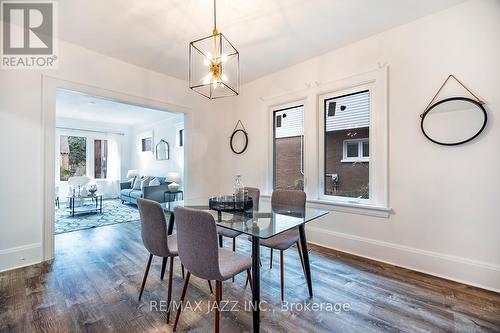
x=259 y=224
x=262 y=224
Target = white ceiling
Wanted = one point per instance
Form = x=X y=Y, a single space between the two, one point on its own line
x=82 y=107
x=269 y=34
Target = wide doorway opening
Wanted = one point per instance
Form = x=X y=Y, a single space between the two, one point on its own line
x=108 y=154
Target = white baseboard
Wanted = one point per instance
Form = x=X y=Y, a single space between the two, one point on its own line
x=21 y=256
x=471 y=272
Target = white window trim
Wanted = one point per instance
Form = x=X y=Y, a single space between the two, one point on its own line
x=89 y=154
x=358 y=158
x=376 y=79
x=376 y=83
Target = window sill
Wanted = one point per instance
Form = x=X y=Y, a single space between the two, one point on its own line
x=355 y=161
x=353 y=208
x=347 y=207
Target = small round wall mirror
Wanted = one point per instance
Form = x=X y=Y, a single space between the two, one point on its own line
x=453 y=121
x=239 y=141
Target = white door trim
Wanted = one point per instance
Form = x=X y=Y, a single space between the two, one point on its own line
x=49 y=87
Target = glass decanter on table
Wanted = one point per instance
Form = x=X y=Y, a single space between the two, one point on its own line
x=238 y=189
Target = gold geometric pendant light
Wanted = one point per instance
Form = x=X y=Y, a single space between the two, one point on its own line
x=214 y=65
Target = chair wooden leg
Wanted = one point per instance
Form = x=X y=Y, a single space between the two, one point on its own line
x=210 y=286
x=145 y=275
x=218 y=298
x=182 y=269
x=234 y=250
x=169 y=295
x=221 y=243
x=183 y=295
x=301 y=258
x=271 y=259
x=249 y=280
x=282 y=275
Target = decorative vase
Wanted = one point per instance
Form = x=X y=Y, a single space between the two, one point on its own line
x=173 y=187
x=92 y=189
x=238 y=189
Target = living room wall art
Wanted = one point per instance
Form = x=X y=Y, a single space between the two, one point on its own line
x=147 y=144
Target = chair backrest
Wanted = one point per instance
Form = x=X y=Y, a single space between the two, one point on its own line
x=197 y=242
x=153 y=227
x=254 y=193
x=293 y=198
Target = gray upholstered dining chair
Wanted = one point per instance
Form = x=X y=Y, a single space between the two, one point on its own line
x=201 y=256
x=157 y=242
x=253 y=193
x=285 y=199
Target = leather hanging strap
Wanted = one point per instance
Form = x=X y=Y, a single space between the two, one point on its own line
x=451 y=76
x=239 y=123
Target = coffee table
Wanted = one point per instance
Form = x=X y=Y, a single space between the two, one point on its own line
x=90 y=203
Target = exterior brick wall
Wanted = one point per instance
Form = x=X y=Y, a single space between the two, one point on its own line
x=353 y=177
x=288 y=163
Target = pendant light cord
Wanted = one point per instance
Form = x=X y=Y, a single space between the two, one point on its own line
x=215 y=17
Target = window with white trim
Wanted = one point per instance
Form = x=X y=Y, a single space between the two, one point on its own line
x=356 y=150
x=346 y=137
x=342 y=160
x=81 y=155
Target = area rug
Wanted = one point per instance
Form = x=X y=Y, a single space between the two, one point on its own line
x=113 y=211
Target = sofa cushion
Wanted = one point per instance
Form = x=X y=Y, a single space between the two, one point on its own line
x=145 y=182
x=137 y=183
x=136 y=194
x=154 y=182
x=126 y=192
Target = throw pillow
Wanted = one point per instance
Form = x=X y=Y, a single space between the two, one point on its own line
x=154 y=182
x=137 y=183
x=145 y=182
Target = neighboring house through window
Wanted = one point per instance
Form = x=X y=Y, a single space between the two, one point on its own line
x=346 y=137
x=356 y=150
x=344 y=149
x=288 y=148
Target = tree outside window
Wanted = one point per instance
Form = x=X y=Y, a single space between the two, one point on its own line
x=73 y=159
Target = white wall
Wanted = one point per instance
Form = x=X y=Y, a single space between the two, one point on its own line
x=145 y=162
x=21 y=139
x=446 y=217
x=445 y=200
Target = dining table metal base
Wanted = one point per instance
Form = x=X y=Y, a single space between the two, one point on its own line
x=305 y=255
x=256 y=284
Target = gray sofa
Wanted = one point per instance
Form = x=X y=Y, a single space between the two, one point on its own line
x=155 y=193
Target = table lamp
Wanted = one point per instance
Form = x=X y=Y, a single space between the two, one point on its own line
x=132 y=174
x=175 y=179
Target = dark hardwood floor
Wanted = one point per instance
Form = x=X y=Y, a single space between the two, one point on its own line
x=93 y=284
